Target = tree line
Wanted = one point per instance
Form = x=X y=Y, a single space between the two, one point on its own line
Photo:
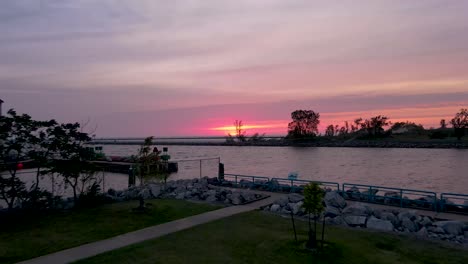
x=305 y=123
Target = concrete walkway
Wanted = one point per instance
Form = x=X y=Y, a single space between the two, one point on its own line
x=102 y=246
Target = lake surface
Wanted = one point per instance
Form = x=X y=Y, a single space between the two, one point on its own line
x=439 y=170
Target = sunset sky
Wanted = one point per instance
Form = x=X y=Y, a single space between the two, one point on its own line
x=181 y=68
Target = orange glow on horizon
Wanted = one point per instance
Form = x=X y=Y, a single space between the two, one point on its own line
x=269 y=127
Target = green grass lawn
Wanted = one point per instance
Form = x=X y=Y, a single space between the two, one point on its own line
x=257 y=237
x=35 y=236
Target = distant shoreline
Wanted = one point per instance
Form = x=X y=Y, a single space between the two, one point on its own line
x=276 y=143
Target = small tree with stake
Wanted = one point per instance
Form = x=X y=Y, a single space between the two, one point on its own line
x=313 y=204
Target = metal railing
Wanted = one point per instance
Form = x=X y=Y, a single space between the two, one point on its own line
x=454 y=202
x=391 y=196
x=247 y=180
x=296 y=185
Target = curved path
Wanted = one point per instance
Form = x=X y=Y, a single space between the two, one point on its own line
x=102 y=246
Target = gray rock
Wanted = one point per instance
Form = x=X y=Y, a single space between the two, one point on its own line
x=275 y=207
x=210 y=193
x=237 y=198
x=334 y=199
x=466 y=234
x=408 y=224
x=436 y=230
x=377 y=213
x=282 y=201
x=355 y=220
x=211 y=198
x=377 y=224
x=331 y=211
x=180 y=196
x=155 y=190
x=425 y=221
x=284 y=210
x=335 y=221
x=294 y=197
x=297 y=207
x=356 y=209
x=411 y=214
x=145 y=193
x=248 y=196
x=451 y=227
x=422 y=232
x=389 y=217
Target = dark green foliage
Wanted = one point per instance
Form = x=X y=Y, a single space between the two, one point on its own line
x=313 y=204
x=438 y=135
x=92 y=197
x=374 y=126
x=51 y=147
x=460 y=123
x=304 y=124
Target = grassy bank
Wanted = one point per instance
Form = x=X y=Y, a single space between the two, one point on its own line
x=257 y=237
x=30 y=237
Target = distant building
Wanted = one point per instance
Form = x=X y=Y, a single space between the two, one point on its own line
x=1 y=102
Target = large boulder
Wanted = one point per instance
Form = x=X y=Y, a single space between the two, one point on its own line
x=356 y=209
x=297 y=207
x=389 y=217
x=248 y=196
x=406 y=223
x=211 y=199
x=155 y=190
x=331 y=211
x=451 y=227
x=377 y=224
x=422 y=232
x=145 y=194
x=275 y=208
x=411 y=214
x=334 y=199
x=335 y=220
x=355 y=220
x=282 y=201
x=236 y=198
x=295 y=197
x=436 y=230
x=425 y=221
x=180 y=196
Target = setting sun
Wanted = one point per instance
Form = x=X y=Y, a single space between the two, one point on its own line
x=269 y=128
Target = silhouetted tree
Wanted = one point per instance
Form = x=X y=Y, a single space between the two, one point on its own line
x=460 y=123
x=240 y=132
x=304 y=125
x=443 y=124
x=330 y=131
x=72 y=159
x=15 y=143
x=374 y=126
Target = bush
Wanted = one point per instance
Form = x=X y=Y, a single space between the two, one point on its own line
x=438 y=135
x=92 y=197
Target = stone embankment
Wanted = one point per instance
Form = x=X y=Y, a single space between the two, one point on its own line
x=340 y=212
x=192 y=189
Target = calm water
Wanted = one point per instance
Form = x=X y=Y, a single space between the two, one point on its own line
x=439 y=170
